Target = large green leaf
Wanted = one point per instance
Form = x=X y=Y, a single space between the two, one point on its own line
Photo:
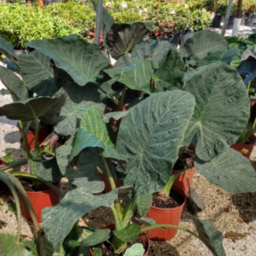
x=59 y=220
x=93 y=133
x=221 y=57
x=128 y=38
x=85 y=173
x=136 y=69
x=13 y=248
x=210 y=236
x=13 y=83
x=150 y=137
x=143 y=204
x=8 y=50
x=129 y=233
x=133 y=72
x=37 y=73
x=45 y=108
x=230 y=171
x=202 y=43
x=96 y=237
x=81 y=60
x=77 y=97
x=222 y=108
x=170 y=75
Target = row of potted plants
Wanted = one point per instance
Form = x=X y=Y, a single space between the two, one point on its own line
x=172 y=100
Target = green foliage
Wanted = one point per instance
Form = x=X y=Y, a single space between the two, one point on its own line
x=20 y=24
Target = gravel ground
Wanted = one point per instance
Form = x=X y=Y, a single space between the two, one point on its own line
x=229 y=213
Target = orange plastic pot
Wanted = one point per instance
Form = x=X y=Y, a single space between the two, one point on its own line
x=3 y=187
x=43 y=133
x=245 y=149
x=143 y=236
x=170 y=216
x=181 y=181
x=119 y=183
x=39 y=201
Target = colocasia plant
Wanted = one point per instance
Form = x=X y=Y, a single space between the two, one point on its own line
x=167 y=108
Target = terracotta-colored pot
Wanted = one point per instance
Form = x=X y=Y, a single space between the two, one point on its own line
x=3 y=187
x=170 y=216
x=42 y=134
x=143 y=236
x=119 y=183
x=181 y=181
x=245 y=149
x=39 y=200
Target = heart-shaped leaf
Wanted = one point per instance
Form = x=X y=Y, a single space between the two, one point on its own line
x=59 y=220
x=129 y=233
x=230 y=171
x=150 y=137
x=37 y=73
x=202 y=43
x=128 y=38
x=81 y=60
x=219 y=93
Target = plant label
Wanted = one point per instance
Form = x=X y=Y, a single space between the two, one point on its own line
x=244 y=151
x=135 y=250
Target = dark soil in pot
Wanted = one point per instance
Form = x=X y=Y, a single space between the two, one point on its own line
x=29 y=186
x=174 y=200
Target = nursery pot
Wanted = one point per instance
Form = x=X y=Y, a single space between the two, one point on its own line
x=143 y=237
x=119 y=183
x=42 y=134
x=245 y=149
x=181 y=181
x=216 y=21
x=231 y=22
x=39 y=200
x=170 y=216
x=252 y=20
x=3 y=187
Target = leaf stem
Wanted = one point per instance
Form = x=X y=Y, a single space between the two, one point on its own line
x=169 y=184
x=186 y=172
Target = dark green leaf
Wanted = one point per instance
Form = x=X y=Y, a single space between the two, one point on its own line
x=12 y=207
x=150 y=137
x=77 y=97
x=219 y=93
x=128 y=38
x=45 y=108
x=97 y=251
x=93 y=133
x=37 y=73
x=221 y=57
x=81 y=60
x=170 y=75
x=96 y=237
x=13 y=83
x=202 y=43
x=129 y=233
x=8 y=50
x=59 y=220
x=230 y=171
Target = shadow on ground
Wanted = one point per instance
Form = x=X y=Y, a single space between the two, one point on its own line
x=12 y=137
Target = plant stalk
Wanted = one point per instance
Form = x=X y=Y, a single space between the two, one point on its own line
x=11 y=167
x=188 y=186
x=169 y=184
